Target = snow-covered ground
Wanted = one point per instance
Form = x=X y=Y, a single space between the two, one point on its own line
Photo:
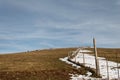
x=68 y=62
x=90 y=62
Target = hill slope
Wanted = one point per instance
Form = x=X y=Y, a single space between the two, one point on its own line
x=42 y=64
x=35 y=65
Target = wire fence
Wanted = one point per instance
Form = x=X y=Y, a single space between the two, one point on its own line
x=115 y=58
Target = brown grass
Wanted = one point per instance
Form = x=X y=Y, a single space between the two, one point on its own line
x=36 y=65
x=109 y=53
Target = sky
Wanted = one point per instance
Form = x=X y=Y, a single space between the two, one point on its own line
x=43 y=24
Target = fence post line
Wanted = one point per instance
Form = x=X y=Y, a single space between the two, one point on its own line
x=68 y=55
x=107 y=69
x=75 y=59
x=96 y=58
x=118 y=72
x=83 y=58
x=117 y=64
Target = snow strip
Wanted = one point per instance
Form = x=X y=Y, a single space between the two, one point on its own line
x=76 y=76
x=68 y=62
x=83 y=77
x=90 y=62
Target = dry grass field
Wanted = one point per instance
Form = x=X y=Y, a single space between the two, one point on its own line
x=43 y=64
x=112 y=54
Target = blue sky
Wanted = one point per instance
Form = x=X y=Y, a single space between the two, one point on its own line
x=38 y=24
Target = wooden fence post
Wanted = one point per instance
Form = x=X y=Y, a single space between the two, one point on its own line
x=96 y=58
x=75 y=58
x=117 y=64
x=107 y=69
x=83 y=56
x=83 y=59
x=68 y=55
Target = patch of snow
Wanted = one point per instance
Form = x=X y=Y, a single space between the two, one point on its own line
x=85 y=51
x=82 y=77
x=68 y=62
x=90 y=62
x=89 y=74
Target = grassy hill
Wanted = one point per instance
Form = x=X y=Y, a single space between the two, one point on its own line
x=43 y=64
